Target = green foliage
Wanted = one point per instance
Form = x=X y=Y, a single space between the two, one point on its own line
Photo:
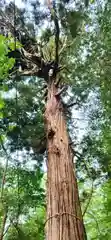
x=74 y=20
x=22 y=194
x=85 y=57
x=32 y=229
x=5 y=65
x=28 y=114
x=98 y=216
x=5 y=62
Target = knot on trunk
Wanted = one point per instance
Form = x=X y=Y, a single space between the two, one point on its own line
x=51 y=133
x=54 y=149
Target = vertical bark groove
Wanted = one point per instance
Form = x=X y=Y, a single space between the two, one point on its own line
x=64 y=218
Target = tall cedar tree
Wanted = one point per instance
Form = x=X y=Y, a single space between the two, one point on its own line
x=64 y=216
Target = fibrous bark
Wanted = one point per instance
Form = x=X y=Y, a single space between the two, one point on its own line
x=64 y=217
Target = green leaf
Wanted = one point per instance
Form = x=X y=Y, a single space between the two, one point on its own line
x=1 y=115
x=1 y=104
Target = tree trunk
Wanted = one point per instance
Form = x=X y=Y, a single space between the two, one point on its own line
x=64 y=217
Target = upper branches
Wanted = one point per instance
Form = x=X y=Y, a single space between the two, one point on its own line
x=30 y=59
x=53 y=10
x=57 y=32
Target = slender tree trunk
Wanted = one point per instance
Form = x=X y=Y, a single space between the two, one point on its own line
x=3 y=224
x=64 y=217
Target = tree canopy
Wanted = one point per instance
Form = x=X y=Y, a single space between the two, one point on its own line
x=85 y=63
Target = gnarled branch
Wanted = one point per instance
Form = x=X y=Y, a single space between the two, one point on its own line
x=33 y=58
x=61 y=91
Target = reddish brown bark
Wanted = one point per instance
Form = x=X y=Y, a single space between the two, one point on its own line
x=64 y=218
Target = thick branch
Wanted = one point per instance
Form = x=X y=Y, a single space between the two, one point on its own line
x=57 y=82
x=11 y=27
x=61 y=91
x=30 y=72
x=16 y=33
x=71 y=104
x=64 y=46
x=33 y=58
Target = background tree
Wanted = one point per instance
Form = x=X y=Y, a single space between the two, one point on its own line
x=88 y=76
